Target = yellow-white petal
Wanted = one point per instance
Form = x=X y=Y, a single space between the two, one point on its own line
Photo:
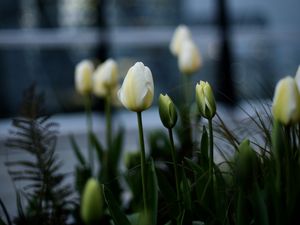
x=181 y=33
x=83 y=76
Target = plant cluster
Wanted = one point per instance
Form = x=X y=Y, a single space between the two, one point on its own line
x=176 y=182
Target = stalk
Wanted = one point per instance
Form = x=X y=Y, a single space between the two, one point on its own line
x=108 y=121
x=211 y=151
x=143 y=159
x=173 y=153
x=89 y=122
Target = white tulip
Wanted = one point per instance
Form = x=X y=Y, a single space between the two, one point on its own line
x=137 y=90
x=297 y=77
x=189 y=60
x=286 y=102
x=83 y=77
x=105 y=78
x=181 y=33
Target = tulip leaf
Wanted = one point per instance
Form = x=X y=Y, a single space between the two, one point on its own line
x=168 y=193
x=115 y=152
x=134 y=218
x=99 y=149
x=197 y=223
x=133 y=179
x=204 y=147
x=152 y=192
x=242 y=217
x=194 y=166
x=116 y=213
x=186 y=191
x=77 y=151
x=259 y=207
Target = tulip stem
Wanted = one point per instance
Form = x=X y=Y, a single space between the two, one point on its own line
x=211 y=151
x=89 y=122
x=108 y=121
x=143 y=159
x=175 y=166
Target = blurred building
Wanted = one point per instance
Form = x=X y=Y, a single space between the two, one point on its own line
x=42 y=40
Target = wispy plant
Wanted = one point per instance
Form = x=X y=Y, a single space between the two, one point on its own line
x=40 y=181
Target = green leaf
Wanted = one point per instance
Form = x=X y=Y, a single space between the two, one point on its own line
x=99 y=149
x=198 y=223
x=115 y=153
x=77 y=151
x=152 y=192
x=259 y=207
x=242 y=217
x=116 y=213
x=186 y=192
x=194 y=166
x=168 y=193
x=204 y=148
x=134 y=218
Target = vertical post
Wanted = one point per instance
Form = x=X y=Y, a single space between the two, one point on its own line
x=226 y=92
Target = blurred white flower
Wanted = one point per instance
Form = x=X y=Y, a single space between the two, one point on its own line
x=83 y=77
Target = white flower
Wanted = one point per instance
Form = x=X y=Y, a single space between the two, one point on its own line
x=189 y=60
x=286 y=102
x=181 y=33
x=83 y=77
x=297 y=77
x=137 y=90
x=105 y=78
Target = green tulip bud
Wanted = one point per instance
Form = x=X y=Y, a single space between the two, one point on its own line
x=167 y=111
x=92 y=203
x=286 y=102
x=246 y=165
x=205 y=100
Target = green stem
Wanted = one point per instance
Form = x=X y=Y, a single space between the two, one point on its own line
x=175 y=166
x=186 y=89
x=185 y=117
x=108 y=122
x=143 y=159
x=211 y=151
x=89 y=122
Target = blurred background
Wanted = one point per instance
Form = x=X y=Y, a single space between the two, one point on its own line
x=246 y=45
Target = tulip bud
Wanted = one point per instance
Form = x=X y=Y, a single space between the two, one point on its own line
x=83 y=77
x=181 y=33
x=297 y=77
x=105 y=78
x=247 y=165
x=167 y=111
x=205 y=100
x=189 y=60
x=92 y=202
x=286 y=102
x=137 y=90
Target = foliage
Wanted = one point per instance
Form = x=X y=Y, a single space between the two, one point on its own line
x=42 y=183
